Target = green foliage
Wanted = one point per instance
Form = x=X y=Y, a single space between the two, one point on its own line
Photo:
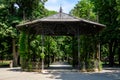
x=42 y=55
x=23 y=49
x=88 y=43
x=39 y=12
x=100 y=67
x=31 y=9
x=4 y=63
x=27 y=6
x=8 y=21
x=90 y=65
x=30 y=66
x=12 y=13
x=53 y=47
x=23 y=45
x=36 y=47
x=108 y=14
x=51 y=12
x=84 y=9
x=6 y=35
x=118 y=8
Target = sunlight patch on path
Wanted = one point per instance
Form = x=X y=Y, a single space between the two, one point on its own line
x=60 y=66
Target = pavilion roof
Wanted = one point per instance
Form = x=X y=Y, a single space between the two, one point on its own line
x=61 y=24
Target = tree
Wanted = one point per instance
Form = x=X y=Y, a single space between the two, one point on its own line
x=12 y=13
x=5 y=33
x=23 y=49
x=89 y=50
x=108 y=13
x=7 y=23
x=31 y=9
x=84 y=9
x=118 y=30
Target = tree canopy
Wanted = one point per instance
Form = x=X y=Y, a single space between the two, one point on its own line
x=106 y=12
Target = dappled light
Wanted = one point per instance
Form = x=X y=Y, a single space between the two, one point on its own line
x=41 y=44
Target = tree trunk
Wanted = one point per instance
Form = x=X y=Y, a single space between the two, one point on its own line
x=119 y=55
x=54 y=60
x=113 y=46
x=15 y=54
x=74 y=52
x=98 y=56
x=111 y=55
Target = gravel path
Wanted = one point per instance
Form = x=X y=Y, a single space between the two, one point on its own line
x=50 y=74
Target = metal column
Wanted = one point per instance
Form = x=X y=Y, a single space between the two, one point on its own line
x=78 y=36
x=42 y=38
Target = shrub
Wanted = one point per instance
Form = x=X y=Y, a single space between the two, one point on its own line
x=90 y=65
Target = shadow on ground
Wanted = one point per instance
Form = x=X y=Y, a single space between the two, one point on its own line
x=64 y=71
x=112 y=75
x=17 y=69
x=69 y=73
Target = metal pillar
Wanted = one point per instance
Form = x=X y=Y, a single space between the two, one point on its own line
x=42 y=38
x=99 y=51
x=78 y=36
x=49 y=61
x=74 y=52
